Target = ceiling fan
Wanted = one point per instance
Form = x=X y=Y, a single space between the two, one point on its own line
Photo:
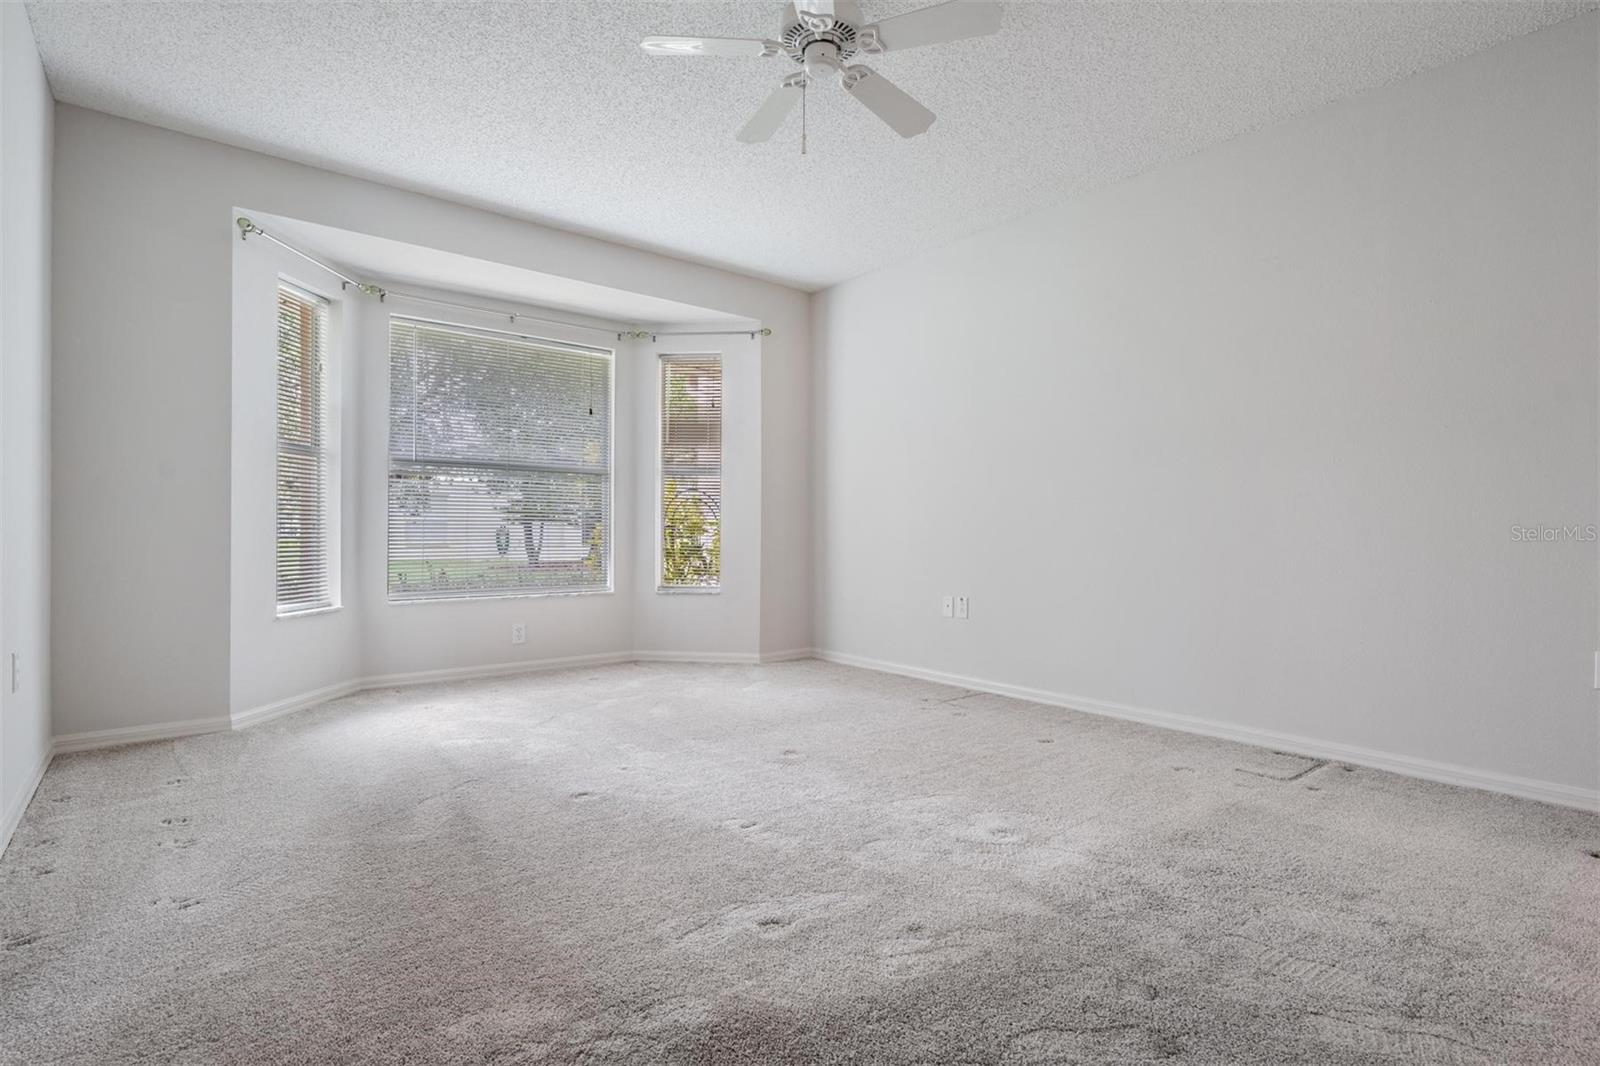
x=822 y=35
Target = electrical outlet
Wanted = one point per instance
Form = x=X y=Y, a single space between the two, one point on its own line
x=948 y=607
x=519 y=633
x=961 y=607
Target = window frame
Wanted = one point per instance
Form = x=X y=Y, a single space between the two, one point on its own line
x=662 y=359
x=460 y=322
x=329 y=452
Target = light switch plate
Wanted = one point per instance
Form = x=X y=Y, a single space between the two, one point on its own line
x=948 y=607
x=961 y=607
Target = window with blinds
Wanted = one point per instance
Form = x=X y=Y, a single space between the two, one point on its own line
x=303 y=571
x=691 y=472
x=499 y=464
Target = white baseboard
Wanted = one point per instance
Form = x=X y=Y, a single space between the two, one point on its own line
x=786 y=656
x=1410 y=766
x=288 y=705
x=278 y=708
x=19 y=806
x=111 y=738
x=750 y=657
x=469 y=673
x=746 y=657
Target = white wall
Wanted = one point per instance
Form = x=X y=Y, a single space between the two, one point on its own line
x=142 y=500
x=26 y=116
x=728 y=621
x=1244 y=438
x=273 y=658
x=275 y=661
x=786 y=554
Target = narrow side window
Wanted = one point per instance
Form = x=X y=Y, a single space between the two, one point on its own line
x=303 y=572
x=691 y=472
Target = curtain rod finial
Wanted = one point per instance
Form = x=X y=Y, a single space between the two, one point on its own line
x=246 y=227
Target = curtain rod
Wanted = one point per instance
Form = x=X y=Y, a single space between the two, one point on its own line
x=248 y=228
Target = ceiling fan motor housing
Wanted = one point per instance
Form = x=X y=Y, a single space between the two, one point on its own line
x=821 y=43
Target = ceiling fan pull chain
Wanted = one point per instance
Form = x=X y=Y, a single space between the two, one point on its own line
x=803 y=116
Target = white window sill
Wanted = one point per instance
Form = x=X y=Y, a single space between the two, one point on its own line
x=688 y=590
x=422 y=601
x=284 y=616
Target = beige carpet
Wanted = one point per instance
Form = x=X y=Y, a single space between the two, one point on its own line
x=799 y=863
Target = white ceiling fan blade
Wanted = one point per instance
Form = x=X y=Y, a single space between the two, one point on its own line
x=708 y=46
x=953 y=21
x=843 y=10
x=820 y=16
x=770 y=115
x=886 y=100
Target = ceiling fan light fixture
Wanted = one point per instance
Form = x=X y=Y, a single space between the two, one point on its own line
x=822 y=60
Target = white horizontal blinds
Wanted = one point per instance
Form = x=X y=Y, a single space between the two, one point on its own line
x=499 y=464
x=302 y=482
x=691 y=471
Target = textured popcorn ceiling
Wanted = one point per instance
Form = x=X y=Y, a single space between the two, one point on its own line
x=550 y=111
